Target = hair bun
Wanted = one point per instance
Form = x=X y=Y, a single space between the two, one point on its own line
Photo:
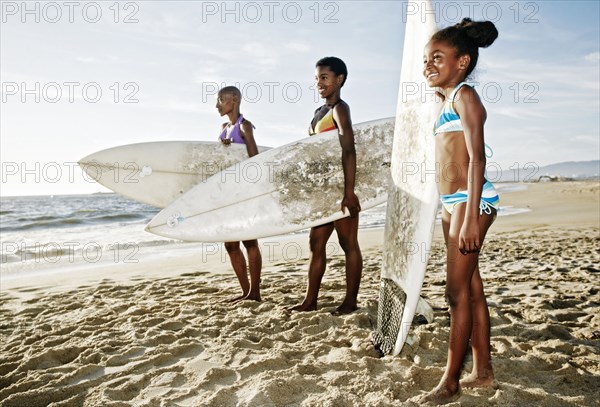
x=481 y=33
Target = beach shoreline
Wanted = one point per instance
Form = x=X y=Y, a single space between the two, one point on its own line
x=157 y=332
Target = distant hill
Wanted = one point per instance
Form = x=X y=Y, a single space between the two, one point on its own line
x=576 y=170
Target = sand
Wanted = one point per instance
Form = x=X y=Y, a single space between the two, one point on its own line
x=157 y=333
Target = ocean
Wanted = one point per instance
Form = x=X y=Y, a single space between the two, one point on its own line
x=52 y=229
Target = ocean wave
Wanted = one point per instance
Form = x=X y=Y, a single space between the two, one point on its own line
x=43 y=213
x=42 y=218
x=51 y=223
x=57 y=222
x=119 y=217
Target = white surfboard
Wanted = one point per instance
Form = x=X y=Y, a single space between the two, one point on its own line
x=413 y=197
x=157 y=173
x=282 y=190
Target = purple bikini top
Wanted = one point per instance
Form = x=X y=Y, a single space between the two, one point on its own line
x=234 y=136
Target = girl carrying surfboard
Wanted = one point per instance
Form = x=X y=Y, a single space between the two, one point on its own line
x=330 y=76
x=239 y=130
x=469 y=201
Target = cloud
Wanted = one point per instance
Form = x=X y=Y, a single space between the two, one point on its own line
x=591 y=139
x=187 y=107
x=592 y=57
x=299 y=46
x=97 y=60
x=518 y=112
x=87 y=60
x=185 y=46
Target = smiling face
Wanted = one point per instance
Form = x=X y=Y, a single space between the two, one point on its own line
x=441 y=66
x=328 y=83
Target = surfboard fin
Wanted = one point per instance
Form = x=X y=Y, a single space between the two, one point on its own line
x=423 y=308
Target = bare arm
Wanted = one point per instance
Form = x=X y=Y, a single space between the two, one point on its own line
x=247 y=132
x=341 y=115
x=472 y=116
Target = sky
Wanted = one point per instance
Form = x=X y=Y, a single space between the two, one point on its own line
x=78 y=77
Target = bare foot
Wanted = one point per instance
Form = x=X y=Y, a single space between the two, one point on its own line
x=344 y=309
x=235 y=299
x=440 y=395
x=303 y=307
x=473 y=380
x=252 y=297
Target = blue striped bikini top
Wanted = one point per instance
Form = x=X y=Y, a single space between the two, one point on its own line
x=449 y=120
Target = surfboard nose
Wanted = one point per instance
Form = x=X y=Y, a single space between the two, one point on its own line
x=165 y=223
x=90 y=166
x=158 y=228
x=155 y=224
x=85 y=160
x=88 y=158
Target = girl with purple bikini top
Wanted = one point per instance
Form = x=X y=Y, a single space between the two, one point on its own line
x=239 y=131
x=234 y=135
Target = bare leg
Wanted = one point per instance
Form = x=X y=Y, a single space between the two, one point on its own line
x=347 y=231
x=238 y=262
x=255 y=266
x=318 y=261
x=482 y=374
x=459 y=281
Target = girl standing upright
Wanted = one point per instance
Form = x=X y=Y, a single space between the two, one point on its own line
x=239 y=130
x=330 y=75
x=469 y=201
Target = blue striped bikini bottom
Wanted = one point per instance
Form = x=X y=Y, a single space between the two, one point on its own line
x=489 y=199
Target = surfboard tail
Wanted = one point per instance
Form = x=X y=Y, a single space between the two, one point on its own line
x=391 y=331
x=392 y=299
